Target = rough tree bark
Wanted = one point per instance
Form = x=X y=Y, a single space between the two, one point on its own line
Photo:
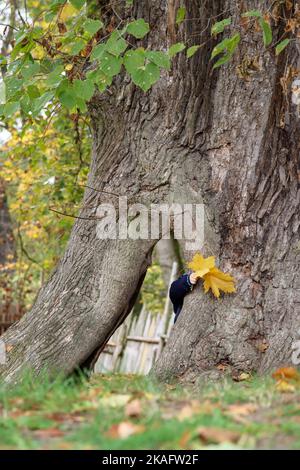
x=198 y=136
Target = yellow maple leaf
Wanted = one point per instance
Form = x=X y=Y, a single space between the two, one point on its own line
x=201 y=265
x=284 y=387
x=66 y=12
x=216 y=280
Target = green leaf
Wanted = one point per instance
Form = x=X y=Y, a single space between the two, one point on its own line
x=13 y=86
x=92 y=26
x=110 y=65
x=55 y=77
x=98 y=51
x=175 y=49
x=159 y=58
x=134 y=59
x=146 y=76
x=220 y=26
x=102 y=80
x=33 y=91
x=77 y=3
x=77 y=46
x=143 y=75
x=191 y=51
x=48 y=65
x=281 y=46
x=50 y=15
x=180 y=15
x=41 y=102
x=228 y=45
x=2 y=92
x=116 y=45
x=25 y=47
x=25 y=103
x=21 y=35
x=220 y=47
x=81 y=104
x=223 y=60
x=267 y=32
x=84 y=89
x=29 y=69
x=252 y=13
x=68 y=99
x=138 y=28
x=11 y=108
x=3 y=60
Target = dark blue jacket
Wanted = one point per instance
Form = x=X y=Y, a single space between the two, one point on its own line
x=178 y=291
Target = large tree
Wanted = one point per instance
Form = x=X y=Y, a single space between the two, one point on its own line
x=228 y=138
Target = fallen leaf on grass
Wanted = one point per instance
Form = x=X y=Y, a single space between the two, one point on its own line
x=188 y=409
x=217 y=435
x=286 y=373
x=195 y=407
x=61 y=417
x=183 y=441
x=48 y=433
x=18 y=401
x=21 y=413
x=240 y=411
x=133 y=409
x=186 y=412
x=284 y=387
x=86 y=405
x=93 y=392
x=124 y=430
x=115 y=400
x=170 y=386
x=65 y=445
x=241 y=377
x=243 y=409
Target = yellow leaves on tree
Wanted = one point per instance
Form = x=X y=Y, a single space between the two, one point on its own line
x=214 y=279
x=67 y=11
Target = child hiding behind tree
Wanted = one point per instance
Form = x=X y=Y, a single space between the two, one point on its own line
x=178 y=290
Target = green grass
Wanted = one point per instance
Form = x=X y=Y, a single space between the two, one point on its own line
x=77 y=414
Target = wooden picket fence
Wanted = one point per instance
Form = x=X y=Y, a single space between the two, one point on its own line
x=139 y=341
x=8 y=316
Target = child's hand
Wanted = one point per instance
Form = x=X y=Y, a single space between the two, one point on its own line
x=193 y=278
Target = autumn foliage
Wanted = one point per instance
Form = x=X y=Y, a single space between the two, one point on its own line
x=213 y=277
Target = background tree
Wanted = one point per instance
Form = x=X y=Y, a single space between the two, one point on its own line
x=225 y=137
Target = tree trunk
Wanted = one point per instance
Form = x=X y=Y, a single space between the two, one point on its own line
x=199 y=136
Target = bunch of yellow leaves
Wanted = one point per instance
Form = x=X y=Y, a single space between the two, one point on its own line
x=214 y=279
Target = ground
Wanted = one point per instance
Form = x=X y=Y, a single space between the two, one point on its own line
x=134 y=412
